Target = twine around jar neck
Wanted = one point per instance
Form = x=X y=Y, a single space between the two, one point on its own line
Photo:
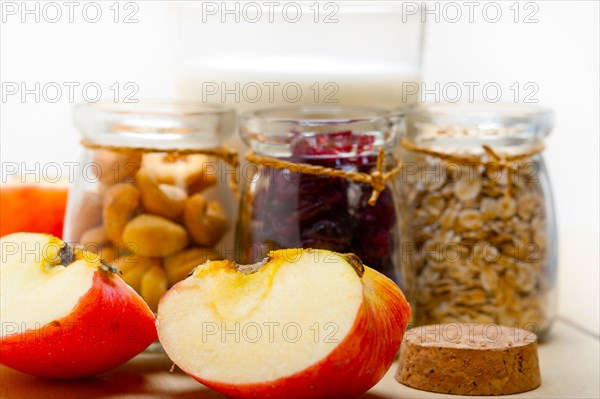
x=502 y=162
x=376 y=179
x=228 y=155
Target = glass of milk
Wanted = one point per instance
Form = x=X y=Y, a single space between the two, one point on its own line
x=264 y=54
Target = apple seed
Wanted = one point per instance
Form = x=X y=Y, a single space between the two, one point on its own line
x=66 y=254
x=355 y=262
x=252 y=268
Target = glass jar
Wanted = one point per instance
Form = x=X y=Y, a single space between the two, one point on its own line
x=151 y=195
x=479 y=231
x=378 y=64
x=311 y=183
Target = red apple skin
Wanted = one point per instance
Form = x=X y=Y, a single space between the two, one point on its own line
x=109 y=325
x=358 y=363
x=37 y=208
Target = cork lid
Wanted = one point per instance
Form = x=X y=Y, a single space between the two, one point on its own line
x=469 y=359
x=470 y=336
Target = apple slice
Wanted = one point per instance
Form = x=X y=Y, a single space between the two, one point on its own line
x=301 y=324
x=64 y=312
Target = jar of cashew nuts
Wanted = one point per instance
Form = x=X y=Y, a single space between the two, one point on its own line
x=153 y=193
x=479 y=232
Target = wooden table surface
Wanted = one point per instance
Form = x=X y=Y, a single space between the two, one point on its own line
x=569 y=360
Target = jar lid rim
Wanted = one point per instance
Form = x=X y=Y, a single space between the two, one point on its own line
x=317 y=115
x=153 y=107
x=479 y=110
x=155 y=123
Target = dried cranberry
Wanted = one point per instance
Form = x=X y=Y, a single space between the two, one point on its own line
x=341 y=141
x=382 y=214
x=326 y=234
x=313 y=146
x=365 y=143
x=376 y=243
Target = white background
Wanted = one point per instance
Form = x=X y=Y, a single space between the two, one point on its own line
x=559 y=53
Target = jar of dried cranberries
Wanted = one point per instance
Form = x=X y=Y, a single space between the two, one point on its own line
x=321 y=177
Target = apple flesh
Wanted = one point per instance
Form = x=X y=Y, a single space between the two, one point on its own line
x=301 y=324
x=65 y=313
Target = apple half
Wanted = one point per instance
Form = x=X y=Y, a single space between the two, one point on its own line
x=300 y=324
x=65 y=313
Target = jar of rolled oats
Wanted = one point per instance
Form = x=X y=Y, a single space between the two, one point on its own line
x=479 y=232
x=153 y=194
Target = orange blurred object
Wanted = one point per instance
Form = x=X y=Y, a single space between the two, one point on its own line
x=32 y=208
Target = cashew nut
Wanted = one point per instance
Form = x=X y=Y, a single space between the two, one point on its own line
x=155 y=235
x=161 y=199
x=192 y=172
x=204 y=177
x=94 y=239
x=153 y=285
x=134 y=267
x=120 y=203
x=206 y=221
x=112 y=167
x=179 y=265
